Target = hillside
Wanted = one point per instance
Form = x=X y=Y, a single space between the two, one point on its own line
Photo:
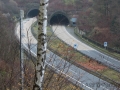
x=100 y=19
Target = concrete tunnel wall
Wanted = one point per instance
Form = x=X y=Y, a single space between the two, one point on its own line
x=57 y=18
x=32 y=13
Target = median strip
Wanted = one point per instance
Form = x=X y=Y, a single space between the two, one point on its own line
x=82 y=61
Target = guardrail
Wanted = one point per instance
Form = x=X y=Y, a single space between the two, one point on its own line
x=96 y=44
x=86 y=69
x=90 y=71
x=33 y=55
x=100 y=45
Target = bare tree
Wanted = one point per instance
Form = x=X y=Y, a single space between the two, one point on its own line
x=55 y=78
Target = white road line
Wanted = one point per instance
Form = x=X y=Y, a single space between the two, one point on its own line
x=73 y=71
x=58 y=69
x=90 y=48
x=104 y=88
x=71 y=77
x=108 y=61
x=63 y=72
x=88 y=51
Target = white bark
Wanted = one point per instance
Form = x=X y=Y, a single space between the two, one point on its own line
x=41 y=47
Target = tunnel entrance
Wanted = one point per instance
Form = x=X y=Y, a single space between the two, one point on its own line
x=59 y=18
x=33 y=13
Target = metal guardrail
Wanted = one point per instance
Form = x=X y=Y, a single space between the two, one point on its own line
x=33 y=55
x=86 y=69
x=99 y=45
x=90 y=71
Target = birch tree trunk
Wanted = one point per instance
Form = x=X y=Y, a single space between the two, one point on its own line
x=41 y=47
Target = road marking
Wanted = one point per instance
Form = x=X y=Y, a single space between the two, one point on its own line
x=73 y=71
x=88 y=51
x=92 y=48
x=104 y=88
x=59 y=70
x=108 y=61
x=66 y=74
x=71 y=77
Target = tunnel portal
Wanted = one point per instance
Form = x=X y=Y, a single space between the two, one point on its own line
x=33 y=13
x=59 y=18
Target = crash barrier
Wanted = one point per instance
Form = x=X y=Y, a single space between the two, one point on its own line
x=86 y=69
x=97 y=43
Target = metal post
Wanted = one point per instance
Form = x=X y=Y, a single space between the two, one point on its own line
x=21 y=52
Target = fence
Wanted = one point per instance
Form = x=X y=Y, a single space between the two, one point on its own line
x=97 y=43
x=86 y=69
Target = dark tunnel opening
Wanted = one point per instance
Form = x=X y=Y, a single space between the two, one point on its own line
x=59 y=19
x=33 y=13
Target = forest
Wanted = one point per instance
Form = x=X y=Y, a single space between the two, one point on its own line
x=100 y=19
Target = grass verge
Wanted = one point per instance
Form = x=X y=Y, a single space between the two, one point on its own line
x=79 y=59
x=55 y=81
x=52 y=80
x=103 y=50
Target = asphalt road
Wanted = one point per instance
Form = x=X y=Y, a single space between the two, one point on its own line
x=74 y=74
x=68 y=37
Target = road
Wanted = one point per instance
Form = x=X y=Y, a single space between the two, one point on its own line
x=74 y=74
x=64 y=35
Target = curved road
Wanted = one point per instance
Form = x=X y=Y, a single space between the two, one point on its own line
x=63 y=34
x=74 y=74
